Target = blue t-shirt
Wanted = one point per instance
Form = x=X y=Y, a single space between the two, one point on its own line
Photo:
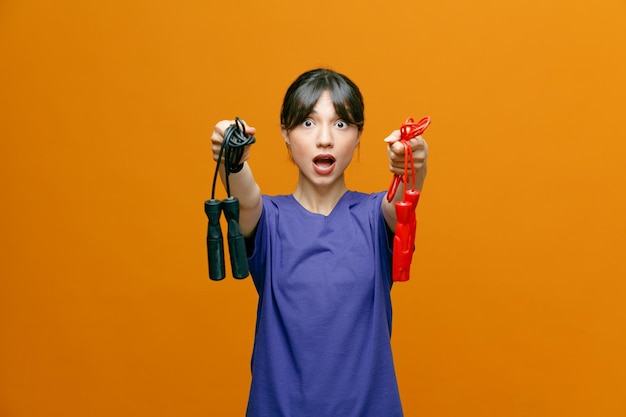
x=322 y=344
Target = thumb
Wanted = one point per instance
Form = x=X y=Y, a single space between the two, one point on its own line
x=393 y=137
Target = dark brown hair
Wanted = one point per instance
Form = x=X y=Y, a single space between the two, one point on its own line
x=304 y=92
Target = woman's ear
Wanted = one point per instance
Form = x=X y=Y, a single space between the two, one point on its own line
x=285 y=135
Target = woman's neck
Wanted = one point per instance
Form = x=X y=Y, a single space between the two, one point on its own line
x=319 y=199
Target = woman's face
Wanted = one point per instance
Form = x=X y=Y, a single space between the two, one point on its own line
x=322 y=146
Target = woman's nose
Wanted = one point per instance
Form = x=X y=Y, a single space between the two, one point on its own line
x=325 y=137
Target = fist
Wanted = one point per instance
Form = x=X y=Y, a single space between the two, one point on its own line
x=218 y=137
x=419 y=149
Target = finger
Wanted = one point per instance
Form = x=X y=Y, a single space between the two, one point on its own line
x=417 y=143
x=248 y=130
x=396 y=162
x=222 y=125
x=393 y=137
x=396 y=150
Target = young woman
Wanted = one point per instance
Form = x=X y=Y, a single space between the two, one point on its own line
x=320 y=259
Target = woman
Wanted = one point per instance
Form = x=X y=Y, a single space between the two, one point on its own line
x=320 y=259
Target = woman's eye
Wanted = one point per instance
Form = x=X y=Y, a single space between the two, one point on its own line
x=307 y=123
x=341 y=124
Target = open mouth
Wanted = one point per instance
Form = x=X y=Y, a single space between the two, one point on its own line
x=324 y=164
x=324 y=161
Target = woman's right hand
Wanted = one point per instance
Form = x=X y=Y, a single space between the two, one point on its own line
x=218 y=137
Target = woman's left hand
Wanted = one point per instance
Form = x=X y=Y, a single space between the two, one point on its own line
x=419 y=148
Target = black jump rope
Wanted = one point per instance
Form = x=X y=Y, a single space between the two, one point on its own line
x=230 y=155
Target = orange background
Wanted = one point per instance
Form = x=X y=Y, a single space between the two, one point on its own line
x=516 y=306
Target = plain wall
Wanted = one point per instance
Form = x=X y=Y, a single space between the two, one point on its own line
x=516 y=302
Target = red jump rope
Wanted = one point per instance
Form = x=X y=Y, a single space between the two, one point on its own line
x=404 y=239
